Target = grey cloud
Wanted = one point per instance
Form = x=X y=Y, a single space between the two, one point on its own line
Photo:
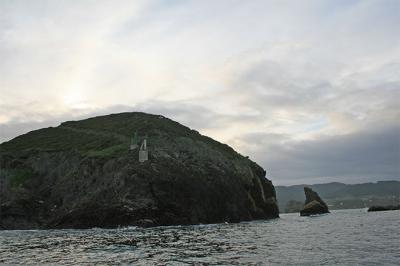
x=368 y=99
x=268 y=84
x=361 y=156
x=195 y=116
x=307 y=59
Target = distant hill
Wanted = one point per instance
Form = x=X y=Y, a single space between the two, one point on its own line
x=341 y=196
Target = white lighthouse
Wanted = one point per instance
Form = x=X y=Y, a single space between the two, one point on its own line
x=142 y=141
x=143 y=152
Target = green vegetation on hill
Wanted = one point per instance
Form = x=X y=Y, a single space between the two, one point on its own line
x=57 y=139
x=109 y=135
x=17 y=177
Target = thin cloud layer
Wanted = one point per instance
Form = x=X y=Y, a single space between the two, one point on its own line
x=309 y=89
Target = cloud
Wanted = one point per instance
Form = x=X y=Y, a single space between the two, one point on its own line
x=267 y=77
x=358 y=157
x=305 y=105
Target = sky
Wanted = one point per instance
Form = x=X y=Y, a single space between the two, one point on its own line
x=310 y=90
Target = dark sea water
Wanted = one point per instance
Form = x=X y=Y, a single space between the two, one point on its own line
x=346 y=237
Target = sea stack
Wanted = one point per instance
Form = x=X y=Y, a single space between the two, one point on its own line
x=314 y=204
x=91 y=173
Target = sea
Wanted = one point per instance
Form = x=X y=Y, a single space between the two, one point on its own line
x=343 y=237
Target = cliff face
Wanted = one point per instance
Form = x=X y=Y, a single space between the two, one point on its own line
x=82 y=174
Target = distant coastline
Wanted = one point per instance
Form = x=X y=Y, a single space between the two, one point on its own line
x=341 y=196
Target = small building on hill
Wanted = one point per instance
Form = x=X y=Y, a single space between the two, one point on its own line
x=141 y=143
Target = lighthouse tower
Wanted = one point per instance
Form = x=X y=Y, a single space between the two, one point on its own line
x=142 y=141
x=143 y=152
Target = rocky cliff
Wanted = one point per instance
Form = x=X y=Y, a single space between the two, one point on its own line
x=82 y=174
x=314 y=204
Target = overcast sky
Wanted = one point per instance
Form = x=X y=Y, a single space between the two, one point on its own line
x=308 y=89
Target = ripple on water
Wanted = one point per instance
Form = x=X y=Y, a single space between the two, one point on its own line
x=346 y=237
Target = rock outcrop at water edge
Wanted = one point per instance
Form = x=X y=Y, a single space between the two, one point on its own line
x=313 y=204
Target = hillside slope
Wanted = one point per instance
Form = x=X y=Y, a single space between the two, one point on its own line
x=82 y=174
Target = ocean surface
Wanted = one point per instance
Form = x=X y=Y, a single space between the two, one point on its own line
x=345 y=237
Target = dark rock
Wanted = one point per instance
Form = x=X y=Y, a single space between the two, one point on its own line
x=145 y=223
x=383 y=208
x=82 y=174
x=313 y=204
